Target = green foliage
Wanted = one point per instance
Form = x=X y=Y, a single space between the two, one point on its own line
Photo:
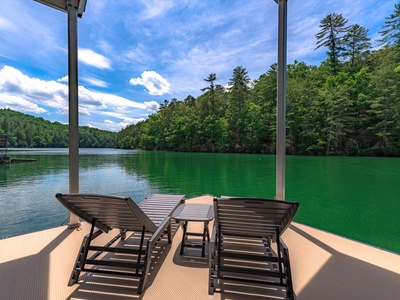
x=329 y=36
x=349 y=105
x=27 y=131
x=353 y=112
x=391 y=29
x=356 y=44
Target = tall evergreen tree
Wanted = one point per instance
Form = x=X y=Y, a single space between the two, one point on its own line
x=329 y=36
x=391 y=28
x=239 y=86
x=211 y=78
x=356 y=43
x=239 y=89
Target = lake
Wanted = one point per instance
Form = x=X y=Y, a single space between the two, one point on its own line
x=356 y=197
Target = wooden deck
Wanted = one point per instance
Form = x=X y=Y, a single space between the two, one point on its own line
x=324 y=266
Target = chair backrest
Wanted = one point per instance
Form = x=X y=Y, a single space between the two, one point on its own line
x=254 y=217
x=108 y=211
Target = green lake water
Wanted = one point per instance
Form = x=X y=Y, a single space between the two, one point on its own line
x=356 y=197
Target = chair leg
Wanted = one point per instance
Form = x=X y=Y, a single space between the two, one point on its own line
x=211 y=268
x=143 y=278
x=79 y=263
x=140 y=249
x=205 y=233
x=169 y=232
x=82 y=256
x=290 y=291
x=146 y=268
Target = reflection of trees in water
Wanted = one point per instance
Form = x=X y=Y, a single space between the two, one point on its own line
x=45 y=165
x=204 y=173
x=48 y=164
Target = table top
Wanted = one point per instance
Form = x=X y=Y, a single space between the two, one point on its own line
x=195 y=212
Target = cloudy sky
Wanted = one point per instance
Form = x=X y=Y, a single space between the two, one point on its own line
x=134 y=54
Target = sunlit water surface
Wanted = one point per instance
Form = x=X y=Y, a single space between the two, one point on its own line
x=355 y=197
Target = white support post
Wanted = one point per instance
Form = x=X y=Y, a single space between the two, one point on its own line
x=281 y=102
x=73 y=108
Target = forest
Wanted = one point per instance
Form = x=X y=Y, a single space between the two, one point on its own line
x=348 y=105
x=28 y=131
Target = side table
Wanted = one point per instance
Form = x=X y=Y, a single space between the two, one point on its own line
x=194 y=212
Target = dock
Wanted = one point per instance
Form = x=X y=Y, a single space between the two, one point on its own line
x=8 y=159
x=324 y=266
x=15 y=159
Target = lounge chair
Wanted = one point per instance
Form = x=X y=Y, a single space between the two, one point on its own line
x=240 y=246
x=151 y=216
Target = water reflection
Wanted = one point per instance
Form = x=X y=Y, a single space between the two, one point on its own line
x=348 y=196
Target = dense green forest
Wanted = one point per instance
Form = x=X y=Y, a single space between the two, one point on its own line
x=349 y=105
x=28 y=131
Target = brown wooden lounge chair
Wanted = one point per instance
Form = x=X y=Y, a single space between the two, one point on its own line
x=151 y=216
x=240 y=247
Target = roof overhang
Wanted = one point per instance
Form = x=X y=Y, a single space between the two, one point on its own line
x=62 y=5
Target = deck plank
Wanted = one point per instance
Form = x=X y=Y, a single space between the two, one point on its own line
x=324 y=266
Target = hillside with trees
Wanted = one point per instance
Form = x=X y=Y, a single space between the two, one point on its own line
x=28 y=131
x=349 y=105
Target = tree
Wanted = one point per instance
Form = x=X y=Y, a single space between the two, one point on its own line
x=356 y=43
x=264 y=95
x=303 y=109
x=391 y=28
x=331 y=27
x=27 y=131
x=239 y=88
x=211 y=78
x=384 y=105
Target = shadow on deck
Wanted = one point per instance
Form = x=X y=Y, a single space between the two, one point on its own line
x=324 y=266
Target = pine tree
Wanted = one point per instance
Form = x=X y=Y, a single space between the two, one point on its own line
x=391 y=28
x=356 y=43
x=331 y=27
x=211 y=78
x=239 y=86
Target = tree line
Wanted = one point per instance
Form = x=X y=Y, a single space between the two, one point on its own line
x=28 y=131
x=349 y=105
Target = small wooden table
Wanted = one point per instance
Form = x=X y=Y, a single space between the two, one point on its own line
x=194 y=212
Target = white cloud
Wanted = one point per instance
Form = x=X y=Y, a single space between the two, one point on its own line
x=33 y=90
x=155 y=8
x=95 y=82
x=94 y=59
x=118 y=102
x=23 y=93
x=5 y=24
x=152 y=106
x=63 y=79
x=153 y=82
x=138 y=55
x=117 y=126
x=19 y=104
x=111 y=125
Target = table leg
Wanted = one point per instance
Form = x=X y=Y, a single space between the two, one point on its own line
x=208 y=231
x=183 y=237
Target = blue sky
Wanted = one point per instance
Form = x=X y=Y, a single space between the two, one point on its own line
x=134 y=54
